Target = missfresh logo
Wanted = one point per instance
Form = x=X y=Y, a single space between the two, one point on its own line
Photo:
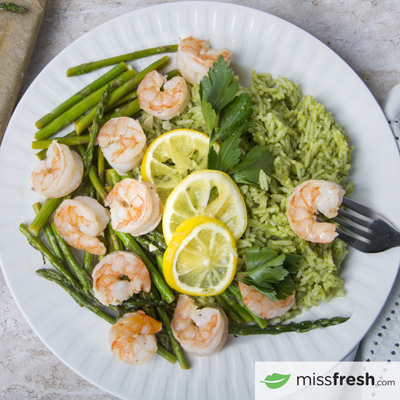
x=318 y=380
x=276 y=381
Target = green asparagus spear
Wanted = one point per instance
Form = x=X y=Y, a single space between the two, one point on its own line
x=233 y=288
x=133 y=95
x=88 y=67
x=128 y=175
x=160 y=258
x=50 y=236
x=127 y=87
x=103 y=239
x=88 y=258
x=163 y=339
x=42 y=154
x=144 y=242
x=91 y=191
x=113 y=176
x=115 y=242
x=131 y=245
x=171 y=74
x=108 y=180
x=94 y=178
x=88 y=157
x=101 y=165
x=69 y=141
x=147 y=302
x=162 y=313
x=148 y=310
x=84 y=278
x=136 y=303
x=44 y=214
x=229 y=298
x=80 y=108
x=54 y=261
x=127 y=98
x=126 y=110
x=164 y=353
x=157 y=238
x=83 y=302
x=229 y=310
x=77 y=97
x=300 y=327
x=80 y=299
x=13 y=8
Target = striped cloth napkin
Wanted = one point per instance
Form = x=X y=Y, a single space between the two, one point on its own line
x=382 y=342
x=18 y=33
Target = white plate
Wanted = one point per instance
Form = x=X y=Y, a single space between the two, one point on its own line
x=261 y=42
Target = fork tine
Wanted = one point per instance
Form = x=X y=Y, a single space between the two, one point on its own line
x=380 y=236
x=354 y=229
x=359 y=208
x=353 y=242
x=354 y=218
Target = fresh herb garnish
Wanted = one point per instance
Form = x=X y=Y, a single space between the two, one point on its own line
x=13 y=8
x=269 y=273
x=218 y=93
x=248 y=170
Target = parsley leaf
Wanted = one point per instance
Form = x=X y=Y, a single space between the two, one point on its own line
x=292 y=258
x=266 y=273
x=231 y=126
x=218 y=88
x=286 y=287
x=234 y=116
x=290 y=261
x=265 y=288
x=229 y=153
x=209 y=116
x=219 y=101
x=213 y=160
x=248 y=171
x=290 y=267
x=269 y=273
x=255 y=257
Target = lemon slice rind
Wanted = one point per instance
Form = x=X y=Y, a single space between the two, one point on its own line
x=207 y=192
x=173 y=156
x=216 y=271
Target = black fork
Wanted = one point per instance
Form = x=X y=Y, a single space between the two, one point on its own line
x=374 y=232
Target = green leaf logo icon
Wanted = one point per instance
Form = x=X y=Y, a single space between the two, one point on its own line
x=275 y=381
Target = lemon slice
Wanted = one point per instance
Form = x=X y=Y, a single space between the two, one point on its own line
x=206 y=192
x=201 y=258
x=172 y=157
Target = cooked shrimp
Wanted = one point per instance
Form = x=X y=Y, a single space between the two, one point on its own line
x=262 y=306
x=194 y=58
x=200 y=332
x=123 y=143
x=135 y=207
x=79 y=221
x=164 y=104
x=132 y=338
x=59 y=174
x=306 y=201
x=109 y=277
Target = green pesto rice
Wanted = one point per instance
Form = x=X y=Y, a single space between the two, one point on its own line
x=306 y=143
